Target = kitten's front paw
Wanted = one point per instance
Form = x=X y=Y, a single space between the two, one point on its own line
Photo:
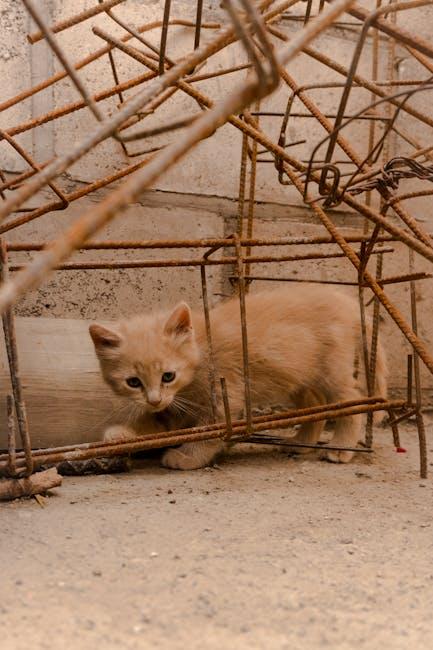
x=176 y=459
x=118 y=433
x=338 y=456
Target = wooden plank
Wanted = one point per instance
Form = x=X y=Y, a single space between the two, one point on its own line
x=66 y=399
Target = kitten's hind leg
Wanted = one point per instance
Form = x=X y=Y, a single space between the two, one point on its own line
x=347 y=430
x=309 y=432
x=193 y=455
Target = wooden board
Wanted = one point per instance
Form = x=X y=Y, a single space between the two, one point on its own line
x=66 y=399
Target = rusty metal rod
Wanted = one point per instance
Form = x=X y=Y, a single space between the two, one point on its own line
x=94 y=56
x=100 y=215
x=137 y=264
x=171 y=438
x=12 y=454
x=12 y=356
x=109 y=126
x=262 y=419
x=200 y=243
x=34 y=37
x=73 y=196
x=60 y=54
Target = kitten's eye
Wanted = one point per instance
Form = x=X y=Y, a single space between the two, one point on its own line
x=134 y=382
x=168 y=377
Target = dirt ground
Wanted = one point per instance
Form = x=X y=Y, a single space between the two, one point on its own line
x=263 y=552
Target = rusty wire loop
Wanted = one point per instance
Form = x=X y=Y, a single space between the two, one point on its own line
x=392 y=172
x=368 y=22
x=333 y=195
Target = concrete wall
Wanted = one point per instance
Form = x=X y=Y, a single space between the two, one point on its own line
x=197 y=198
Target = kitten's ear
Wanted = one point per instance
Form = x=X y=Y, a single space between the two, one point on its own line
x=104 y=338
x=179 y=322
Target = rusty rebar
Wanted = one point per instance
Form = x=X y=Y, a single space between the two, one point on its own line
x=202 y=243
x=129 y=109
x=227 y=413
x=12 y=356
x=34 y=37
x=191 y=262
x=60 y=54
x=93 y=221
x=417 y=375
x=266 y=67
x=211 y=358
x=169 y=438
x=12 y=453
x=241 y=284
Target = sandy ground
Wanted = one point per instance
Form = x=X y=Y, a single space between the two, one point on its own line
x=265 y=552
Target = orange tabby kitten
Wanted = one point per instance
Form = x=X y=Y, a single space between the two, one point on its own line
x=302 y=344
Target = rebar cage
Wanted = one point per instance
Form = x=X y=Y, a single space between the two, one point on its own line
x=332 y=176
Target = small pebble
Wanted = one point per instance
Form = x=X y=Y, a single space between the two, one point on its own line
x=154 y=554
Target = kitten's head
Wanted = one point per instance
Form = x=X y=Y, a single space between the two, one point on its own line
x=148 y=359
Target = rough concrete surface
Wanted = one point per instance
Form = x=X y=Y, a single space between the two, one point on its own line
x=263 y=552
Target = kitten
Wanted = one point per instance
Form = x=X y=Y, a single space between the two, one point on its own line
x=302 y=344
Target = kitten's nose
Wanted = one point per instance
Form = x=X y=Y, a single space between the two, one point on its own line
x=154 y=399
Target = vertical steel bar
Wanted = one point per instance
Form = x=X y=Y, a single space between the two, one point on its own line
x=198 y=19
x=227 y=414
x=12 y=354
x=373 y=348
x=211 y=358
x=308 y=11
x=364 y=338
x=246 y=367
x=394 y=428
x=409 y=379
x=252 y=197
x=164 y=33
x=242 y=185
x=12 y=450
x=63 y=59
x=418 y=394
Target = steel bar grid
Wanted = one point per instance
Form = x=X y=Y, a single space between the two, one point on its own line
x=367 y=188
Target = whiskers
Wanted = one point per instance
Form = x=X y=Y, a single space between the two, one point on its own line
x=127 y=414
x=136 y=410
x=113 y=413
x=182 y=405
